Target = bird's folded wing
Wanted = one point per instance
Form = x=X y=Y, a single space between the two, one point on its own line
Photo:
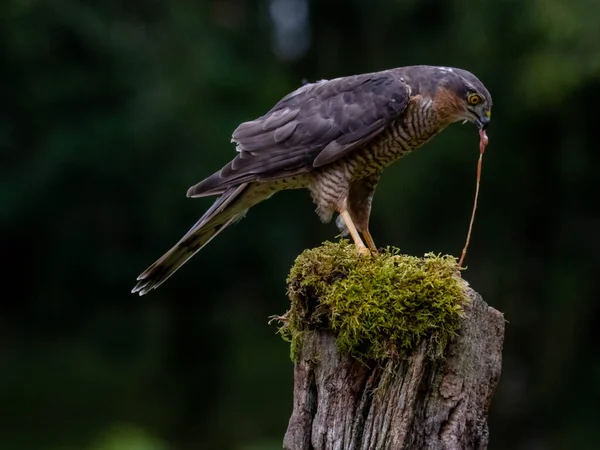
x=313 y=126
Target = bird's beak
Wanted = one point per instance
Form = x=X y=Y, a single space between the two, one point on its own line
x=482 y=122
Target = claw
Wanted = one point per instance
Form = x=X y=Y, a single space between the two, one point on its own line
x=363 y=251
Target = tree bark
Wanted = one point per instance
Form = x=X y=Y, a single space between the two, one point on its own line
x=413 y=403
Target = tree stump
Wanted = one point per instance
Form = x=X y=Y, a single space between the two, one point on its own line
x=416 y=399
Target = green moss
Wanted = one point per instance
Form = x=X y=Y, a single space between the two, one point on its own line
x=378 y=307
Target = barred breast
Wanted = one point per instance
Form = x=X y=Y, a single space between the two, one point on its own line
x=331 y=184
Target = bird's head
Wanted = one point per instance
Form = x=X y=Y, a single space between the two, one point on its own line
x=463 y=97
x=457 y=93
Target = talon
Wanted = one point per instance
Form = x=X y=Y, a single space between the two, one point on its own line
x=363 y=251
x=370 y=242
x=353 y=231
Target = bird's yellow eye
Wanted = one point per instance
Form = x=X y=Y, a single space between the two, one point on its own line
x=473 y=99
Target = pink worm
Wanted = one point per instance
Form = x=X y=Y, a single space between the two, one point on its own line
x=483 y=142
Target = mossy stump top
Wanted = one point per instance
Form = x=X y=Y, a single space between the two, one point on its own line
x=377 y=307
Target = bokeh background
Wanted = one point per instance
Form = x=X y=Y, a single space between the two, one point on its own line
x=110 y=110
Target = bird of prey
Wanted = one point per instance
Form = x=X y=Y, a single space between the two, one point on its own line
x=333 y=137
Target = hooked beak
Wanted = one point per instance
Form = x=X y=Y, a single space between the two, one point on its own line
x=482 y=122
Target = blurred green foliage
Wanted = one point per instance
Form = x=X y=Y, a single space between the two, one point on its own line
x=110 y=110
x=123 y=437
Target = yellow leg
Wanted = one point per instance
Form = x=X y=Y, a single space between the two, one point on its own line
x=370 y=241
x=360 y=246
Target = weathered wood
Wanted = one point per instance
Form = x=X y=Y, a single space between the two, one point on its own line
x=415 y=403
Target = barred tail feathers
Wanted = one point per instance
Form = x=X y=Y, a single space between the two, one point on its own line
x=226 y=210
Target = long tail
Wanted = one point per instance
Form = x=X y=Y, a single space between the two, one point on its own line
x=227 y=209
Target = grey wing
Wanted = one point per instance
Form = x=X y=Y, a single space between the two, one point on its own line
x=313 y=126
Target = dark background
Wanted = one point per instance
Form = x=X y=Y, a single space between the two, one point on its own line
x=110 y=110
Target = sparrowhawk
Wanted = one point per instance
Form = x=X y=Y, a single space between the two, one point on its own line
x=333 y=137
